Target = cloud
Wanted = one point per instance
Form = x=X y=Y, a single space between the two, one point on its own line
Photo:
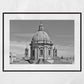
x=64 y=36
x=18 y=48
x=23 y=35
x=65 y=50
x=64 y=47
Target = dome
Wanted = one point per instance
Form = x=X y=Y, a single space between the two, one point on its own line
x=41 y=36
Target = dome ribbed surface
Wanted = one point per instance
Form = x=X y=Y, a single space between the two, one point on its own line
x=41 y=36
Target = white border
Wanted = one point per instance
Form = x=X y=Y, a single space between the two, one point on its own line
x=75 y=17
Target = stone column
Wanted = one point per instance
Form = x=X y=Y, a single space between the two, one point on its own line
x=44 y=52
x=36 y=53
x=47 y=52
x=51 y=52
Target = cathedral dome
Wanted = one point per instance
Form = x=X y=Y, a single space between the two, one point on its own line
x=41 y=36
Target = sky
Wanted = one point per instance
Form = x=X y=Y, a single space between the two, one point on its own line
x=61 y=32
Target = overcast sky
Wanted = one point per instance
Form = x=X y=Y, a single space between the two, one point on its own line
x=61 y=33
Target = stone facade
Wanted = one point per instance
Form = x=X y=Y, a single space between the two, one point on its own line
x=41 y=45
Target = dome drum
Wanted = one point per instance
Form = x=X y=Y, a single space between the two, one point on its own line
x=41 y=43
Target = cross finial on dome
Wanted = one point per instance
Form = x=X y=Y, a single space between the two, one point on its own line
x=41 y=28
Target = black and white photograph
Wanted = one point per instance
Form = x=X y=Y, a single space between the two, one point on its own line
x=42 y=41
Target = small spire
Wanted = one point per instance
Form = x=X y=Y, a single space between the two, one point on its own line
x=41 y=28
